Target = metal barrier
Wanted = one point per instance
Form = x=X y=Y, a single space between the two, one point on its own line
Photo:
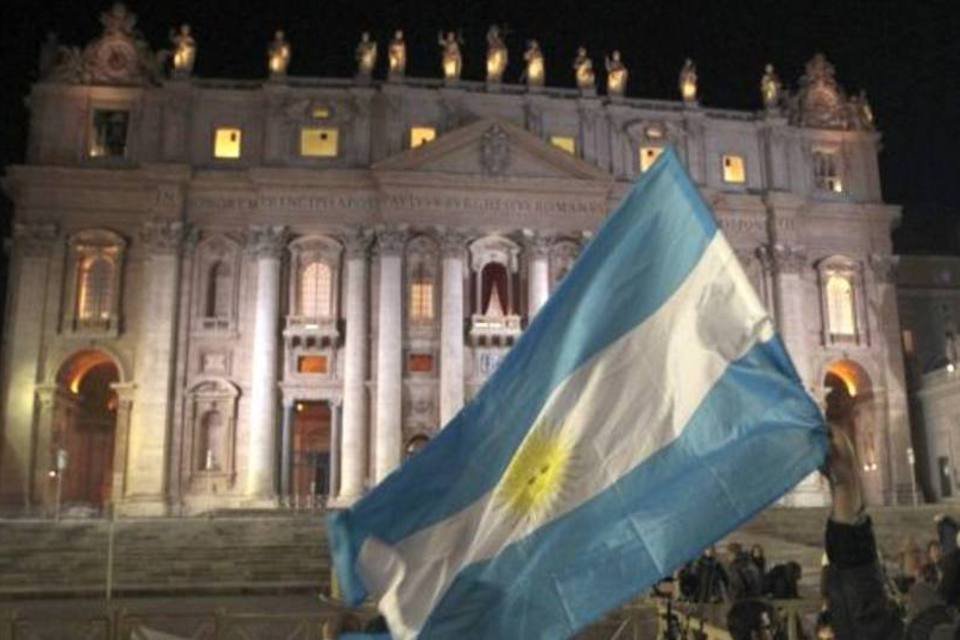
x=684 y=620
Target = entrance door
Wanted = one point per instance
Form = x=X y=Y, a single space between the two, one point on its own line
x=311 y=454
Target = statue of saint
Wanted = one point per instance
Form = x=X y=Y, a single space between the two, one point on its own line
x=770 y=87
x=496 y=55
x=534 y=73
x=616 y=75
x=688 y=82
x=278 y=55
x=450 y=56
x=184 y=51
x=397 y=54
x=366 y=55
x=862 y=110
x=583 y=69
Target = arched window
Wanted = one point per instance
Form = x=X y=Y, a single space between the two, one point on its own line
x=211 y=440
x=494 y=298
x=315 y=288
x=840 y=305
x=218 y=291
x=421 y=294
x=95 y=299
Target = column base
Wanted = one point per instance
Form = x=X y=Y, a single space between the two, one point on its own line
x=142 y=507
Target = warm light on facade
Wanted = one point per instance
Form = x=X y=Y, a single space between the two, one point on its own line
x=319 y=142
x=734 y=169
x=421 y=136
x=566 y=143
x=226 y=143
x=649 y=155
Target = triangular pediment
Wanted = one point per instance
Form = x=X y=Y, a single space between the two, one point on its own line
x=494 y=148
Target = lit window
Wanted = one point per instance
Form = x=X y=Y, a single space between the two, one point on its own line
x=734 y=169
x=840 y=309
x=649 y=155
x=421 y=135
x=320 y=113
x=226 y=143
x=312 y=364
x=826 y=171
x=566 y=143
x=109 y=135
x=421 y=301
x=315 y=281
x=319 y=142
x=96 y=289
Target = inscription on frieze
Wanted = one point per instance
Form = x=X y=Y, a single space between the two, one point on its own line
x=746 y=226
x=450 y=203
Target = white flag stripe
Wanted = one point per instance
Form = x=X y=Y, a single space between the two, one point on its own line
x=627 y=402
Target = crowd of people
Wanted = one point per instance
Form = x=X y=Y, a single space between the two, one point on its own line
x=859 y=601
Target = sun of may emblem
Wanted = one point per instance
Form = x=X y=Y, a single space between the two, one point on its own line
x=535 y=478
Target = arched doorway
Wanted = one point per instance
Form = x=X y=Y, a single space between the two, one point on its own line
x=85 y=428
x=849 y=404
x=311 y=453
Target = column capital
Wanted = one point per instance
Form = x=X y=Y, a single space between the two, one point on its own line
x=788 y=259
x=34 y=238
x=357 y=244
x=266 y=241
x=884 y=267
x=391 y=240
x=453 y=244
x=537 y=243
x=162 y=236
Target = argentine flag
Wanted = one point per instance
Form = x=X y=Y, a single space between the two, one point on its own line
x=648 y=410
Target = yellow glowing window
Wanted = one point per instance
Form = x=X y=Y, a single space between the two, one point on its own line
x=649 y=155
x=826 y=171
x=320 y=113
x=734 y=169
x=421 y=301
x=421 y=135
x=226 y=143
x=566 y=143
x=319 y=142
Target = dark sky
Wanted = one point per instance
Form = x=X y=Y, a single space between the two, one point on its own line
x=905 y=53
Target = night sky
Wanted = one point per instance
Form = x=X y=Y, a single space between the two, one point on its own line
x=905 y=54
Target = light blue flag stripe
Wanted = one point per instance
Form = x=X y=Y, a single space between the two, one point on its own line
x=747 y=444
x=643 y=252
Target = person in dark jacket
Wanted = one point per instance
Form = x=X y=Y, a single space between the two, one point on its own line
x=712 y=580
x=745 y=579
x=781 y=582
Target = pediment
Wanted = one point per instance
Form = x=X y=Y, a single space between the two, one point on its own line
x=492 y=148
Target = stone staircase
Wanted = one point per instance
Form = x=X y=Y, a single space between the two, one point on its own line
x=276 y=552
x=250 y=554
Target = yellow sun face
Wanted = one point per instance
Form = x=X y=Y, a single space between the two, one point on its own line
x=536 y=476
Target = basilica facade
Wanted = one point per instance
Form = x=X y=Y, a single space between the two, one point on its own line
x=229 y=294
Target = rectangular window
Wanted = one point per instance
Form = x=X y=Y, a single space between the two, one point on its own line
x=108 y=138
x=312 y=364
x=421 y=135
x=421 y=301
x=566 y=143
x=649 y=155
x=908 y=342
x=841 y=313
x=420 y=363
x=319 y=142
x=734 y=169
x=320 y=113
x=826 y=171
x=226 y=143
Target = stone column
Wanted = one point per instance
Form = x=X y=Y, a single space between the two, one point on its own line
x=125 y=394
x=146 y=483
x=389 y=381
x=266 y=243
x=286 y=451
x=451 y=328
x=335 y=436
x=27 y=286
x=354 y=435
x=43 y=455
x=538 y=273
